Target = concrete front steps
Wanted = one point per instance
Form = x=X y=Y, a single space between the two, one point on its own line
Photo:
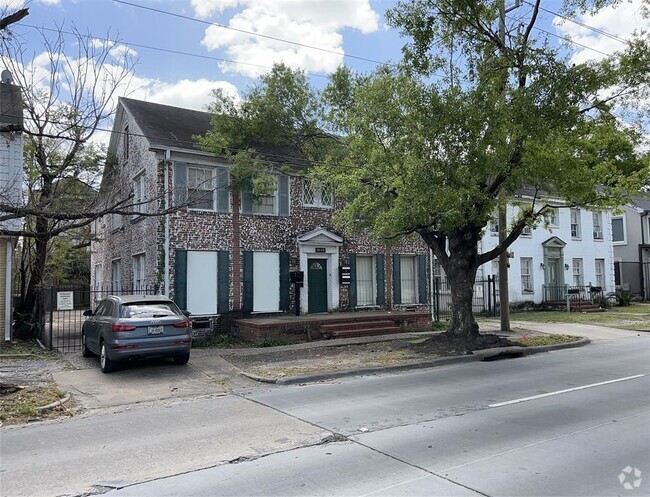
x=585 y=306
x=359 y=329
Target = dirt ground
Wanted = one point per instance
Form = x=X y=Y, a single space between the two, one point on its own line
x=285 y=362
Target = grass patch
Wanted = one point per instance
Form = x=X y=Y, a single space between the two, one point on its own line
x=546 y=340
x=439 y=325
x=22 y=406
x=24 y=347
x=223 y=340
x=634 y=317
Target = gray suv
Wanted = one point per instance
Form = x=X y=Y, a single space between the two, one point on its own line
x=134 y=327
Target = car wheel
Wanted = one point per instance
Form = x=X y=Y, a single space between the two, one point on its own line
x=105 y=363
x=85 y=351
x=181 y=359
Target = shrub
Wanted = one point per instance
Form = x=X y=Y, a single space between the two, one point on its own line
x=624 y=297
x=601 y=301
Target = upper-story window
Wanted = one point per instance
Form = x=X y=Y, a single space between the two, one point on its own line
x=126 y=144
x=117 y=221
x=618 y=230
x=139 y=194
x=527 y=231
x=552 y=217
x=276 y=204
x=576 y=228
x=598 y=225
x=201 y=187
x=317 y=194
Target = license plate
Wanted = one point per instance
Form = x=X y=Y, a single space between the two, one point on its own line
x=155 y=330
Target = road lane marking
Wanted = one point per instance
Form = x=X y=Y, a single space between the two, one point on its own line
x=558 y=392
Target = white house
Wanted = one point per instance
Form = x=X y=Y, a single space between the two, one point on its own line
x=11 y=174
x=573 y=248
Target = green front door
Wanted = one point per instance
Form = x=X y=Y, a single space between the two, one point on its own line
x=317 y=285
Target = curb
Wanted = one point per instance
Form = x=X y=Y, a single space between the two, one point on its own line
x=49 y=407
x=476 y=356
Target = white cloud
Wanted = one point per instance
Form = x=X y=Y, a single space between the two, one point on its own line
x=317 y=23
x=620 y=20
x=205 y=8
x=189 y=94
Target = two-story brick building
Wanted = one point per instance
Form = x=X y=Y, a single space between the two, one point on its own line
x=224 y=252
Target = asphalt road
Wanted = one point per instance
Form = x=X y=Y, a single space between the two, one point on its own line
x=573 y=422
x=562 y=423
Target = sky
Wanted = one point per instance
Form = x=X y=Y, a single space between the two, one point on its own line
x=186 y=48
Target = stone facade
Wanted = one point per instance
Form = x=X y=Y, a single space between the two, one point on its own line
x=183 y=249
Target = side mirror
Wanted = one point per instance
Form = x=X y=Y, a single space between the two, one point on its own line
x=88 y=312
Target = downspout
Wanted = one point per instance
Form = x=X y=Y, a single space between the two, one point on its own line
x=168 y=155
x=7 y=316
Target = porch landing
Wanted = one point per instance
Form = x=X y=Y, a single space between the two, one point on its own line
x=317 y=326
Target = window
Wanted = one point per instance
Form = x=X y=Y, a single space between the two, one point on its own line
x=138 y=272
x=276 y=204
x=439 y=275
x=117 y=221
x=577 y=273
x=576 y=230
x=618 y=230
x=600 y=273
x=527 y=231
x=126 y=143
x=97 y=278
x=200 y=188
x=316 y=194
x=552 y=217
x=408 y=279
x=526 y=265
x=598 y=225
x=116 y=276
x=494 y=227
x=365 y=280
x=139 y=194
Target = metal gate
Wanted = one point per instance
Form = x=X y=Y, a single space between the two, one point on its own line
x=485 y=299
x=63 y=313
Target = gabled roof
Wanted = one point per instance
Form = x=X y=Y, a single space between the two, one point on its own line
x=11 y=108
x=642 y=202
x=168 y=126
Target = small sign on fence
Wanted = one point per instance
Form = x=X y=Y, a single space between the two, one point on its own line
x=65 y=301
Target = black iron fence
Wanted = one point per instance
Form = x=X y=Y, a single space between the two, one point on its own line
x=568 y=295
x=63 y=312
x=485 y=300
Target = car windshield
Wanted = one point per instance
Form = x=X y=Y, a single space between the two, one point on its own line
x=149 y=310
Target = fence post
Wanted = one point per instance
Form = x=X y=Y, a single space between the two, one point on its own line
x=52 y=296
x=494 y=295
x=568 y=299
x=436 y=306
x=489 y=294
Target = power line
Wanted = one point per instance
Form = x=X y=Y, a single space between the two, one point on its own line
x=579 y=23
x=252 y=33
x=158 y=49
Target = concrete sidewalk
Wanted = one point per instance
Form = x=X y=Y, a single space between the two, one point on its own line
x=209 y=372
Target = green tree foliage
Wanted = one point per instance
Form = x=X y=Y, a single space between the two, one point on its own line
x=469 y=118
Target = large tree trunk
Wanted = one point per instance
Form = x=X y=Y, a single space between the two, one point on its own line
x=462 y=324
x=457 y=252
